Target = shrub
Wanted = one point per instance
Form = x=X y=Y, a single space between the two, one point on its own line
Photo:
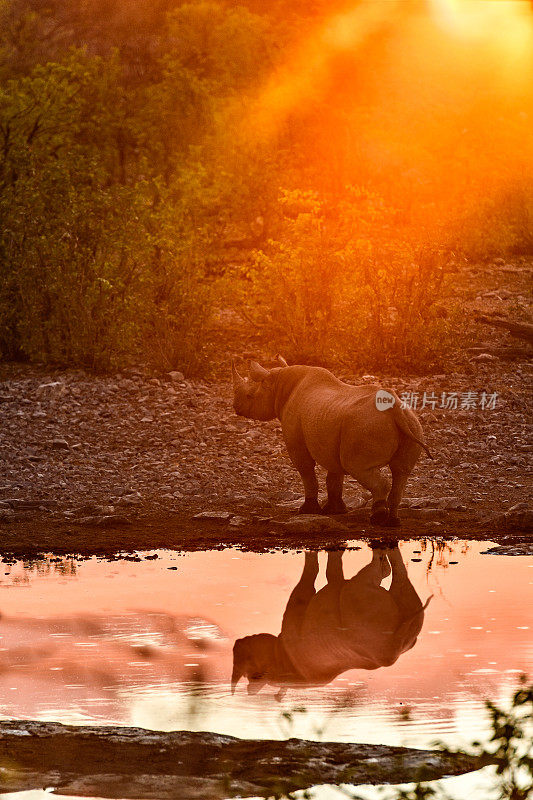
x=340 y=285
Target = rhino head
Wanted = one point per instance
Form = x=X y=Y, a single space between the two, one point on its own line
x=254 y=397
x=253 y=658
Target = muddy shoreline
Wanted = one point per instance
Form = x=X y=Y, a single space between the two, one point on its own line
x=183 y=533
x=83 y=760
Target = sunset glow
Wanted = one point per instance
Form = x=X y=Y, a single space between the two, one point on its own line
x=498 y=37
x=266 y=329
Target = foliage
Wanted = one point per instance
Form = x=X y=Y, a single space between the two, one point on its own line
x=92 y=260
x=510 y=745
x=332 y=287
x=159 y=161
x=509 y=751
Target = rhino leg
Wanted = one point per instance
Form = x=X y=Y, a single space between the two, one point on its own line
x=334 y=571
x=306 y=468
x=401 y=588
x=301 y=596
x=375 y=572
x=305 y=464
x=380 y=513
x=399 y=480
x=335 y=503
x=401 y=467
x=310 y=506
x=374 y=480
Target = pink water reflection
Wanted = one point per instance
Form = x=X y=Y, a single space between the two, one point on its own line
x=139 y=643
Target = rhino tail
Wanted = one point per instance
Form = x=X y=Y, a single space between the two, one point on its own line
x=402 y=422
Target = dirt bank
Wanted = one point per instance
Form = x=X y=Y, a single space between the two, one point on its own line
x=123 y=462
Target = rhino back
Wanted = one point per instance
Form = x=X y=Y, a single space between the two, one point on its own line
x=344 y=629
x=336 y=420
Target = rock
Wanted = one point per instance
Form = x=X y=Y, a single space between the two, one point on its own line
x=90 y=520
x=312 y=523
x=519 y=507
x=15 y=502
x=292 y=505
x=511 y=521
x=484 y=357
x=60 y=444
x=415 y=502
x=427 y=513
x=53 y=389
x=108 y=520
x=215 y=516
x=176 y=376
x=445 y=503
x=238 y=522
x=129 y=501
x=521 y=549
x=105 y=521
x=112 y=761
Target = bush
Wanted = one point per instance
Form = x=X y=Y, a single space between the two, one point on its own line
x=336 y=286
x=93 y=264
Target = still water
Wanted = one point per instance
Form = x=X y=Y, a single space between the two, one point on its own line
x=150 y=643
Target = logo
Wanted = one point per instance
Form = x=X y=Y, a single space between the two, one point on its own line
x=384 y=400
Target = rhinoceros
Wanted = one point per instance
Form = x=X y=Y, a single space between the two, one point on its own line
x=348 y=624
x=348 y=430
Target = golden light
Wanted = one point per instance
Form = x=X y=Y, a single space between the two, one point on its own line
x=481 y=19
x=440 y=36
x=501 y=30
x=305 y=74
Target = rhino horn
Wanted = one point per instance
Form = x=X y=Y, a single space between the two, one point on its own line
x=238 y=380
x=281 y=361
x=257 y=372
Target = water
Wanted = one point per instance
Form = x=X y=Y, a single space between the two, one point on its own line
x=149 y=643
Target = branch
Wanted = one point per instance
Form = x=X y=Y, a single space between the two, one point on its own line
x=520 y=330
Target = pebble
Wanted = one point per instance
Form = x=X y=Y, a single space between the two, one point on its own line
x=216 y=516
x=238 y=522
x=60 y=444
x=223 y=460
x=484 y=357
x=312 y=523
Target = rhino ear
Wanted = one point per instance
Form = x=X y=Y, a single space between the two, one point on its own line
x=281 y=361
x=257 y=372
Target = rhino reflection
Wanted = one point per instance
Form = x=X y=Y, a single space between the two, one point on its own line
x=349 y=624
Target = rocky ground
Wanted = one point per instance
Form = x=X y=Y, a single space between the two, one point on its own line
x=82 y=760
x=103 y=464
